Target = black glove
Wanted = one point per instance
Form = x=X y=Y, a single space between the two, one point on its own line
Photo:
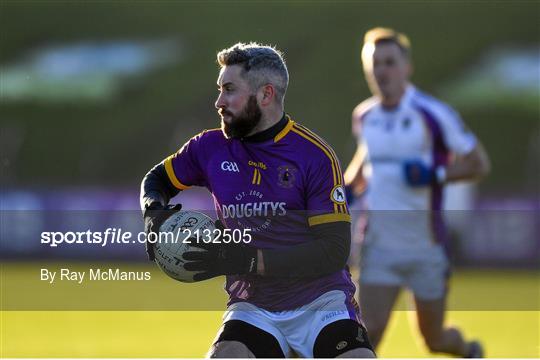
x=154 y=216
x=220 y=259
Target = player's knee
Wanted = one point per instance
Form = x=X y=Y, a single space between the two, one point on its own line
x=229 y=349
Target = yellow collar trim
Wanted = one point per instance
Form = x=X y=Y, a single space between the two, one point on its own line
x=285 y=130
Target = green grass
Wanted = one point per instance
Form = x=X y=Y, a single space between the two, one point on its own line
x=505 y=330
x=507 y=334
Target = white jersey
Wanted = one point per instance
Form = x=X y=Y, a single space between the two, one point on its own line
x=419 y=128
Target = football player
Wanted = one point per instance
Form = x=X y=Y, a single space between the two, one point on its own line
x=289 y=288
x=411 y=145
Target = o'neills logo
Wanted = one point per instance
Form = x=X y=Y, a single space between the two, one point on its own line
x=266 y=208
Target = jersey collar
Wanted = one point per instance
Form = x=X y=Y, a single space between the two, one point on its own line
x=407 y=97
x=273 y=132
x=403 y=102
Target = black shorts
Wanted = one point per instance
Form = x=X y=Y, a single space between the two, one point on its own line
x=334 y=339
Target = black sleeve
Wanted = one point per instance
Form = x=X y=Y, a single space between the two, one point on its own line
x=327 y=253
x=156 y=187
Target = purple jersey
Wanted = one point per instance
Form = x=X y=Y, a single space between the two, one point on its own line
x=277 y=183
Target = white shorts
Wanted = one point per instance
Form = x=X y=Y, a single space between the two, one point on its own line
x=425 y=272
x=296 y=329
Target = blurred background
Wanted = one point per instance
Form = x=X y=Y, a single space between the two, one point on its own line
x=93 y=94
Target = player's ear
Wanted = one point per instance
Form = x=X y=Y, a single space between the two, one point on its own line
x=267 y=94
x=410 y=69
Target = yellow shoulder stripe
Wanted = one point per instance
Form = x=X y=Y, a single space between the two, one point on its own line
x=330 y=149
x=336 y=169
x=335 y=159
x=169 y=167
x=320 y=146
x=170 y=172
x=328 y=218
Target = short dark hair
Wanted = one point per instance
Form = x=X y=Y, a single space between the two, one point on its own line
x=261 y=65
x=380 y=35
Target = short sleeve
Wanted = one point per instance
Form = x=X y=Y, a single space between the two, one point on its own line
x=326 y=201
x=358 y=115
x=184 y=168
x=457 y=137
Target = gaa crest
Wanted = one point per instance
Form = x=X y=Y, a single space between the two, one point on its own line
x=286 y=176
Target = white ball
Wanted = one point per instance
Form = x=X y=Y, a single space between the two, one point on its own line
x=181 y=225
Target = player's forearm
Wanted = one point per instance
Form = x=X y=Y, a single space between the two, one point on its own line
x=326 y=254
x=156 y=187
x=472 y=166
x=353 y=173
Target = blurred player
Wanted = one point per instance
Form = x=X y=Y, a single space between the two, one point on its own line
x=289 y=289
x=411 y=144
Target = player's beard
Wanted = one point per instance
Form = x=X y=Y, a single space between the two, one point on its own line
x=243 y=124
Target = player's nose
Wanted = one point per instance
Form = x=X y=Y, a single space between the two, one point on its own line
x=220 y=103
